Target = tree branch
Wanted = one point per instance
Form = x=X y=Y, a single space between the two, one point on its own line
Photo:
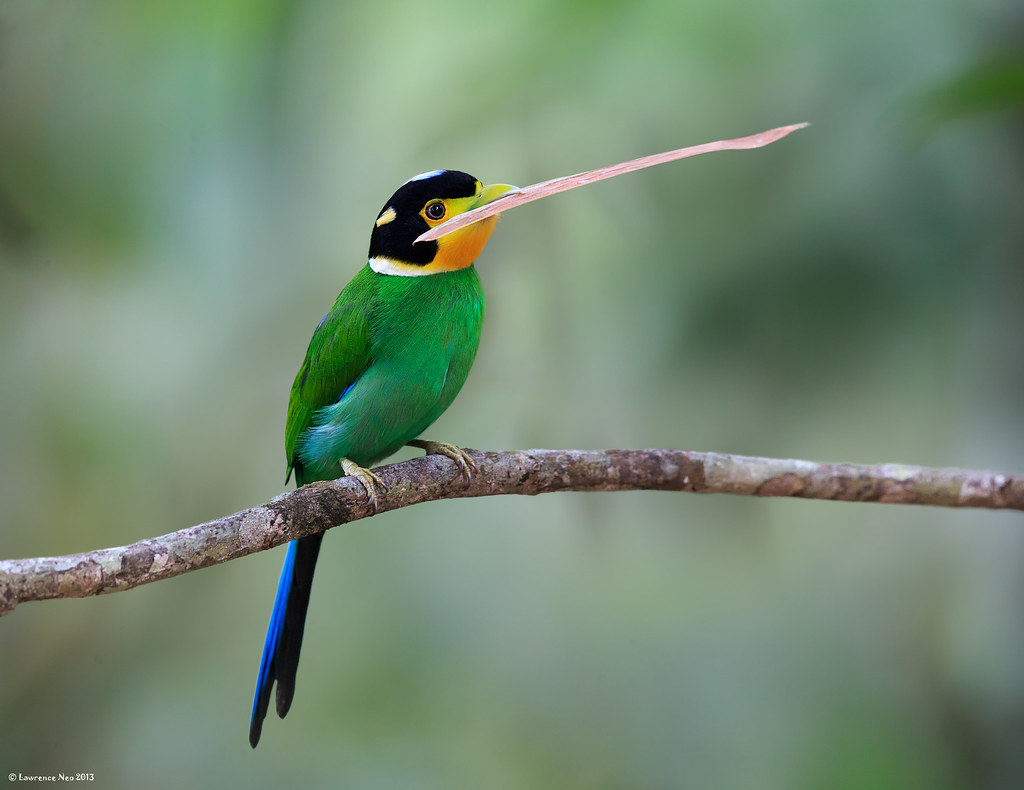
x=319 y=506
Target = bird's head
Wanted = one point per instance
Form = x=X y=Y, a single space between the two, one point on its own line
x=420 y=204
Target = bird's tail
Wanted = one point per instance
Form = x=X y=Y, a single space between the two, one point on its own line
x=284 y=636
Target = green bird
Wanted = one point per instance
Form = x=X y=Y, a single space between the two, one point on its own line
x=382 y=365
x=392 y=355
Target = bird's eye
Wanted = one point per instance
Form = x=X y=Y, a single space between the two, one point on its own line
x=435 y=210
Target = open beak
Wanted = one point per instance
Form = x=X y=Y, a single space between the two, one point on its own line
x=501 y=197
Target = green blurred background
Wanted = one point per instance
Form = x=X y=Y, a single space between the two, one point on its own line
x=185 y=186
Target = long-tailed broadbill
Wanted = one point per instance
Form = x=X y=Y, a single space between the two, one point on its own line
x=392 y=354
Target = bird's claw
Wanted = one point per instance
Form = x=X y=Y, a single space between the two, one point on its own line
x=466 y=464
x=371 y=482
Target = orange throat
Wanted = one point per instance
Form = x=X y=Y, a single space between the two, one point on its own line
x=459 y=249
x=455 y=251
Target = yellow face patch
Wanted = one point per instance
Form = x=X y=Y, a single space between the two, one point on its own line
x=456 y=250
x=437 y=211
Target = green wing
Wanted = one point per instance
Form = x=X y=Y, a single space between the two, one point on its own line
x=337 y=354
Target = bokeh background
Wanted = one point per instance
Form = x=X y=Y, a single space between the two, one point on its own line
x=185 y=186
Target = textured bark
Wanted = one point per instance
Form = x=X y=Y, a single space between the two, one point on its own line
x=319 y=506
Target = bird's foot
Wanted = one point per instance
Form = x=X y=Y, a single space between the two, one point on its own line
x=458 y=455
x=370 y=481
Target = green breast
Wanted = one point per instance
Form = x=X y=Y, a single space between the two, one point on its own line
x=423 y=335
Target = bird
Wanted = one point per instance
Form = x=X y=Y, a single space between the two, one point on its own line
x=392 y=354
x=381 y=367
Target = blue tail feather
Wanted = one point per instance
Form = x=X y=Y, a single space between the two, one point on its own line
x=264 y=680
x=284 y=635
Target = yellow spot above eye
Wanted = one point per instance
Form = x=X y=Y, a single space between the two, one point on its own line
x=386 y=217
